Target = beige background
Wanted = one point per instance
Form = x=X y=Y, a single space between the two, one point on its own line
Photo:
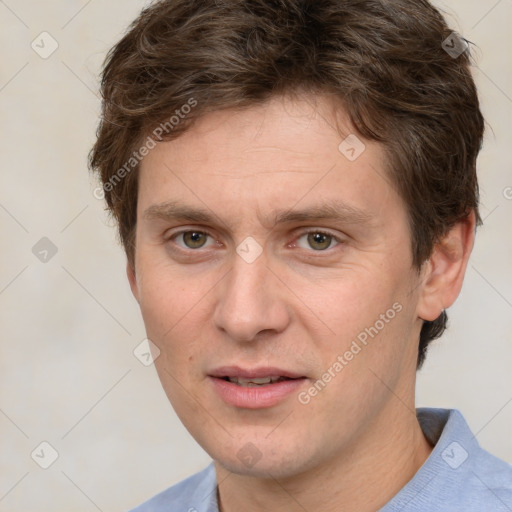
x=69 y=326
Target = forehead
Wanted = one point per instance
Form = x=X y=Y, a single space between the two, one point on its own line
x=287 y=154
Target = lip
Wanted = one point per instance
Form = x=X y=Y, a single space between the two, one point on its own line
x=253 y=373
x=258 y=397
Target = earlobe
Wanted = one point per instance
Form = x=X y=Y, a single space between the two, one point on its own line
x=132 y=279
x=443 y=273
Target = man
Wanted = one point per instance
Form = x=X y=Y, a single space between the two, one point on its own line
x=295 y=188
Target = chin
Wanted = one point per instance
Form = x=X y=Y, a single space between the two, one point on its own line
x=264 y=470
x=268 y=461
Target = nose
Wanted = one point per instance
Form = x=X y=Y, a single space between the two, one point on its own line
x=251 y=301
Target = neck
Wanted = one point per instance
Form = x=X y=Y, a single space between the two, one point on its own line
x=363 y=478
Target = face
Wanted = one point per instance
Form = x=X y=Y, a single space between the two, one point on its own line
x=262 y=251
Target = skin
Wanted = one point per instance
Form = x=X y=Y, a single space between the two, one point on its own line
x=298 y=306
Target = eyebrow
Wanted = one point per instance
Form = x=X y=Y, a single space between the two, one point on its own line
x=327 y=210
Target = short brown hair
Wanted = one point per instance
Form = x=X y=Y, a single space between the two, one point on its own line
x=385 y=60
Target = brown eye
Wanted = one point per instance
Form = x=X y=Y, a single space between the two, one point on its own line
x=194 y=239
x=319 y=241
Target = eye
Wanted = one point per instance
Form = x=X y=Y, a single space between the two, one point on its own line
x=191 y=239
x=318 y=240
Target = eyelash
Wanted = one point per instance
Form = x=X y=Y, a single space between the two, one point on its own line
x=303 y=233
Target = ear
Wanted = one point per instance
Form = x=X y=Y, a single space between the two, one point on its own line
x=443 y=273
x=132 y=279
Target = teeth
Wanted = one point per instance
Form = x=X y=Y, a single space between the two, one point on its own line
x=252 y=382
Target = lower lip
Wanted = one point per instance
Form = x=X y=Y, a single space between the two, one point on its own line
x=257 y=397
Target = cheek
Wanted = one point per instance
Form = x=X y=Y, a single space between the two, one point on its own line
x=361 y=363
x=174 y=325
x=174 y=318
x=352 y=302
x=166 y=298
x=367 y=322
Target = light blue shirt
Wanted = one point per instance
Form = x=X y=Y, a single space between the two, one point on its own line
x=458 y=476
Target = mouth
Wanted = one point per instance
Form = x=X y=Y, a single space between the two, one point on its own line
x=260 y=376
x=255 y=388
x=256 y=382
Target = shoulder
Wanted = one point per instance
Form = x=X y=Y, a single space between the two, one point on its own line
x=196 y=493
x=479 y=480
x=482 y=482
x=491 y=477
x=459 y=475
